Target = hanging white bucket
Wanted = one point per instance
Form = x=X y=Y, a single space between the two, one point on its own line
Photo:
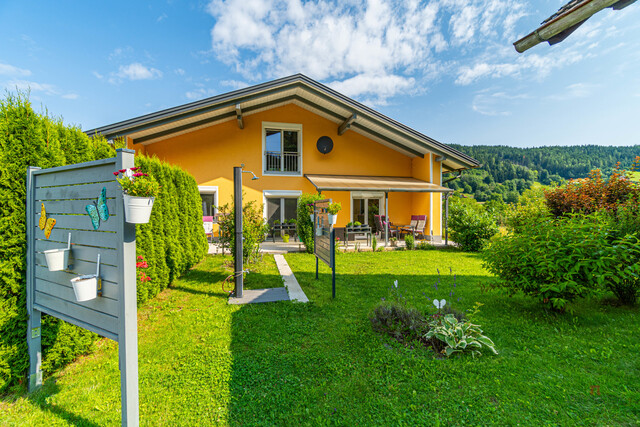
x=318 y=231
x=57 y=259
x=333 y=219
x=311 y=217
x=85 y=287
x=137 y=210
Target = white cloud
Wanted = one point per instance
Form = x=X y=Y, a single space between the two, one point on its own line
x=377 y=49
x=497 y=103
x=135 y=71
x=10 y=70
x=25 y=85
x=235 y=84
x=200 y=93
x=573 y=91
x=97 y=75
x=162 y=17
x=179 y=71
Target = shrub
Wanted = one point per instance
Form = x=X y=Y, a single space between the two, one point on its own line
x=530 y=209
x=471 y=226
x=554 y=261
x=424 y=246
x=31 y=139
x=254 y=228
x=402 y=323
x=620 y=272
x=409 y=241
x=593 y=193
x=305 y=227
x=459 y=336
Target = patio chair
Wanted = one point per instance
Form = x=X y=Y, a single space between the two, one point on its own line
x=380 y=225
x=416 y=227
x=207 y=223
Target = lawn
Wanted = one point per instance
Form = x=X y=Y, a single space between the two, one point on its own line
x=205 y=362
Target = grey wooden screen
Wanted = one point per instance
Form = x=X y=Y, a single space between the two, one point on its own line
x=65 y=192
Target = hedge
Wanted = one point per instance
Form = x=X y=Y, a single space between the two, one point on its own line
x=174 y=239
x=171 y=243
x=31 y=139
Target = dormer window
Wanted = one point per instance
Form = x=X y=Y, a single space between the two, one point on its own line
x=282 y=148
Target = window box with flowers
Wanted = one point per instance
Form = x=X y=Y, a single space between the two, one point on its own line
x=139 y=190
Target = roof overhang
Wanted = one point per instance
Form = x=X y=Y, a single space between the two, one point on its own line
x=388 y=184
x=300 y=90
x=560 y=25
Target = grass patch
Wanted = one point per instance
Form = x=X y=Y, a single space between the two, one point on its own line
x=204 y=362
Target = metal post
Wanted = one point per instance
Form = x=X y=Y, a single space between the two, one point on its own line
x=446 y=218
x=386 y=219
x=332 y=247
x=237 y=197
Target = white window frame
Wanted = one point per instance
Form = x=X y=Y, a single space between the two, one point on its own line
x=379 y=195
x=282 y=127
x=278 y=194
x=210 y=189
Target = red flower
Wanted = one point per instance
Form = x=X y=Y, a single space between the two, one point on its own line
x=122 y=170
x=135 y=169
x=140 y=257
x=116 y=173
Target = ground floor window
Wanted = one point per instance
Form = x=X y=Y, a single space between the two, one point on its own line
x=209 y=197
x=280 y=205
x=281 y=209
x=365 y=205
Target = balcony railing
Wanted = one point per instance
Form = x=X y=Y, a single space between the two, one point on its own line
x=278 y=161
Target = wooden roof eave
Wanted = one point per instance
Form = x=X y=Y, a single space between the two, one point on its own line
x=573 y=17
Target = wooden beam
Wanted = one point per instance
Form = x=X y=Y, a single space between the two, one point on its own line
x=347 y=124
x=568 y=19
x=239 y=116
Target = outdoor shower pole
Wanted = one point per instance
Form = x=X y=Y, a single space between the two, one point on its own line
x=446 y=218
x=386 y=219
x=237 y=197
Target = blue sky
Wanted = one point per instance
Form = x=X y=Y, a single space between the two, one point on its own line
x=446 y=68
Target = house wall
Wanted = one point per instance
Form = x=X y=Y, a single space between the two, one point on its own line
x=209 y=154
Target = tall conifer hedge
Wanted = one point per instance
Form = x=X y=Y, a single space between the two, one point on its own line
x=171 y=243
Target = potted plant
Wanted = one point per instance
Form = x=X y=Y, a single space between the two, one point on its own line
x=139 y=191
x=394 y=242
x=333 y=210
x=85 y=287
x=357 y=224
x=310 y=206
x=285 y=238
x=276 y=222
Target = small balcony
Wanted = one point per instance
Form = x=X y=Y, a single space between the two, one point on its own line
x=279 y=162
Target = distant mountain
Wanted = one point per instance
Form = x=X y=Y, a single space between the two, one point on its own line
x=508 y=171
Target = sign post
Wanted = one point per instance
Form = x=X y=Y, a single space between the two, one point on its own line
x=324 y=239
x=101 y=251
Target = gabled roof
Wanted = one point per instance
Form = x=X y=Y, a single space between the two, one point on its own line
x=298 y=89
x=566 y=20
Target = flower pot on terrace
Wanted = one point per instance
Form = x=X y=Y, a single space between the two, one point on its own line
x=333 y=218
x=85 y=287
x=57 y=259
x=137 y=210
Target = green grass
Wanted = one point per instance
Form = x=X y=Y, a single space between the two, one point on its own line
x=204 y=362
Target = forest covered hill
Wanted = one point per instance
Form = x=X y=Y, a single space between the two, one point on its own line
x=508 y=171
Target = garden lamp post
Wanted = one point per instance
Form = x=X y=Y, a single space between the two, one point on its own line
x=237 y=197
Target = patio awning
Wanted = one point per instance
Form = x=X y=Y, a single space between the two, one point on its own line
x=374 y=183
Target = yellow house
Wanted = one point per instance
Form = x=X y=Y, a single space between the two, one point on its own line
x=300 y=136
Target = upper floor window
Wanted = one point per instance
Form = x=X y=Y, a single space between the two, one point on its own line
x=282 y=145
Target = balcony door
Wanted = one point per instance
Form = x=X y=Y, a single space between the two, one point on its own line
x=282 y=146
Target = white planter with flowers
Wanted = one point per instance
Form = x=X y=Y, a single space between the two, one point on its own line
x=333 y=210
x=139 y=191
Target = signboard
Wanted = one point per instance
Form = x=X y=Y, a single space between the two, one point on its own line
x=80 y=208
x=324 y=239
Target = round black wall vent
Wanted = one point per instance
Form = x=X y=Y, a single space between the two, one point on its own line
x=324 y=144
